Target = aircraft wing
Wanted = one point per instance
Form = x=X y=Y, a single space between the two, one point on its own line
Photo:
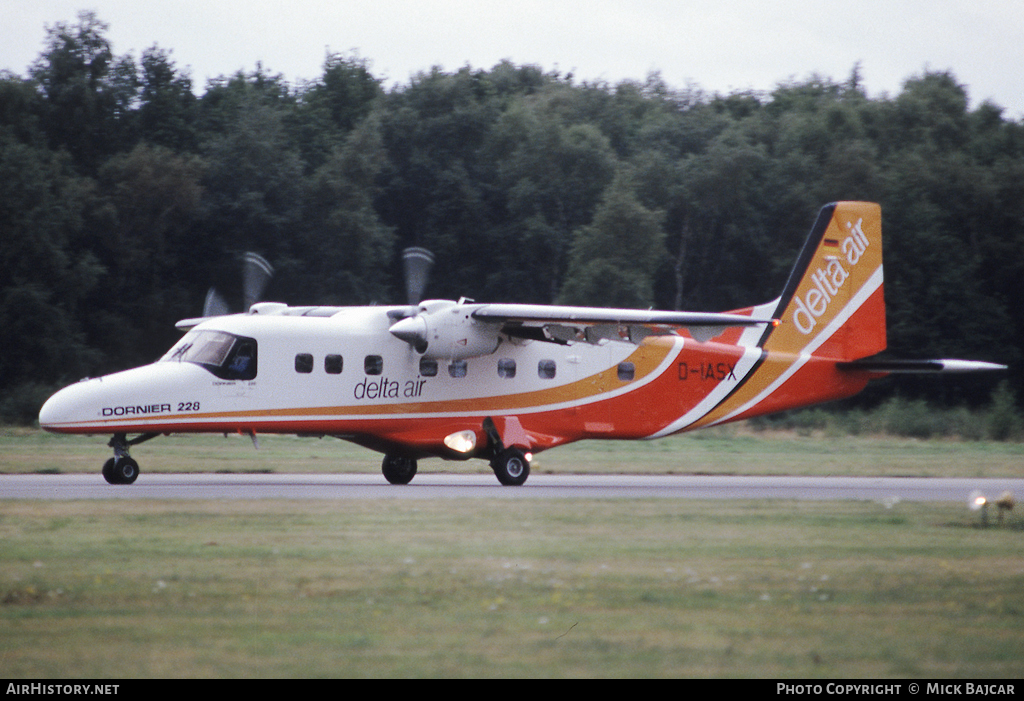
x=562 y=324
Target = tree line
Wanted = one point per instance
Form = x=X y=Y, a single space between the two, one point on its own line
x=126 y=191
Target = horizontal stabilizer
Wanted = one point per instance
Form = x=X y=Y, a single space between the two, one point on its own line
x=906 y=367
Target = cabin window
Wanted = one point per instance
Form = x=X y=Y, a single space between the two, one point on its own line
x=373 y=365
x=507 y=368
x=226 y=355
x=428 y=367
x=546 y=369
x=333 y=364
x=458 y=368
x=627 y=371
x=304 y=363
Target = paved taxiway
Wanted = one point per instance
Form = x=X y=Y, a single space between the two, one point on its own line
x=448 y=486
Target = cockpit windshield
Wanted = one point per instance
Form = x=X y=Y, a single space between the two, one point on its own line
x=226 y=355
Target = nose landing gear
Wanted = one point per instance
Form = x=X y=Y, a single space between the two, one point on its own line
x=122 y=469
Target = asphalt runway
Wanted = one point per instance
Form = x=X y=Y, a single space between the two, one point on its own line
x=884 y=490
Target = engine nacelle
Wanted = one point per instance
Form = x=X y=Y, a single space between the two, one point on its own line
x=447 y=331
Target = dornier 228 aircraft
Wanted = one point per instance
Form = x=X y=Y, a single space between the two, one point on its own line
x=459 y=380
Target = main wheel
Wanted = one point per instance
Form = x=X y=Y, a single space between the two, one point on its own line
x=125 y=471
x=511 y=467
x=398 y=469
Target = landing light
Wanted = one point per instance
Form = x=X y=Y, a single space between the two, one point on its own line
x=461 y=441
x=978 y=501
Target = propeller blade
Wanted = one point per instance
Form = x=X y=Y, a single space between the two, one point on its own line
x=256 y=274
x=418 y=262
x=215 y=304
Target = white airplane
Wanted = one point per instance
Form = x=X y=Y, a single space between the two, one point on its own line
x=459 y=380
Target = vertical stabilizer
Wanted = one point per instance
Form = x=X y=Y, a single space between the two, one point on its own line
x=833 y=303
x=831 y=320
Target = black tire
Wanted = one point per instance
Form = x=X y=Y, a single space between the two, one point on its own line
x=108 y=471
x=398 y=469
x=125 y=470
x=511 y=467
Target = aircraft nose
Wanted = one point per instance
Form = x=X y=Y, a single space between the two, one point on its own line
x=53 y=411
x=46 y=413
x=70 y=406
x=110 y=403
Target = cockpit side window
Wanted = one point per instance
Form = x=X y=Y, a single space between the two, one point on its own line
x=241 y=363
x=226 y=355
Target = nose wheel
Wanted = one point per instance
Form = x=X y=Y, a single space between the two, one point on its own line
x=122 y=468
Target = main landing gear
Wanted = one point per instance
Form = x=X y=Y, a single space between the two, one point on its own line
x=511 y=467
x=122 y=469
x=510 y=464
x=398 y=469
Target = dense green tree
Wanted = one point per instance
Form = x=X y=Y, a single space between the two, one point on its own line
x=344 y=251
x=87 y=92
x=551 y=176
x=46 y=270
x=331 y=106
x=346 y=90
x=20 y=110
x=614 y=259
x=254 y=182
x=721 y=226
x=932 y=110
x=168 y=109
x=125 y=193
x=228 y=96
x=149 y=209
x=437 y=189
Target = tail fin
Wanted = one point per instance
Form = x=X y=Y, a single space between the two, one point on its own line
x=833 y=303
x=831 y=320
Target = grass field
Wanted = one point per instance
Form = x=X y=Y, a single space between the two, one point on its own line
x=481 y=587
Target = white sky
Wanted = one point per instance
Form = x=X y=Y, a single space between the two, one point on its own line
x=720 y=45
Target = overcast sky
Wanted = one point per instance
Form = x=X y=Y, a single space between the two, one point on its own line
x=721 y=46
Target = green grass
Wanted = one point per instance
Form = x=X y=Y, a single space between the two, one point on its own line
x=478 y=588
x=512 y=588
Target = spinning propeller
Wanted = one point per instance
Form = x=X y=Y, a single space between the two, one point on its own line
x=417 y=263
x=256 y=274
x=413 y=324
